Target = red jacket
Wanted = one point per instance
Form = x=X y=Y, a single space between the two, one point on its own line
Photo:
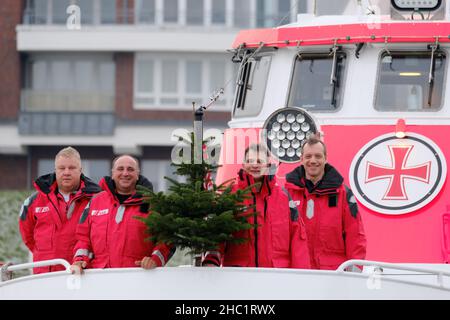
x=333 y=224
x=280 y=239
x=110 y=236
x=47 y=224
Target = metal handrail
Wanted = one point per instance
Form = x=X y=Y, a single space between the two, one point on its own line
x=36 y=264
x=439 y=274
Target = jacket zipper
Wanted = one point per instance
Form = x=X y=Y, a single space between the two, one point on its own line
x=255 y=221
x=255 y=224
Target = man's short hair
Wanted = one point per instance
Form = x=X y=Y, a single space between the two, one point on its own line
x=312 y=140
x=69 y=152
x=258 y=148
x=125 y=155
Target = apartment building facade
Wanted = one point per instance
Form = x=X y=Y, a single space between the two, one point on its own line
x=115 y=76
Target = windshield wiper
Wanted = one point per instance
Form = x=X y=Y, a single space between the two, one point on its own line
x=431 y=73
x=333 y=77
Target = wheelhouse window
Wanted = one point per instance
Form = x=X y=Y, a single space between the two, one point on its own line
x=251 y=85
x=410 y=81
x=317 y=81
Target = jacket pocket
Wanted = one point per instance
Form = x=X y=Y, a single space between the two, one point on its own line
x=44 y=232
x=137 y=243
x=281 y=259
x=331 y=261
x=332 y=240
x=99 y=233
x=280 y=236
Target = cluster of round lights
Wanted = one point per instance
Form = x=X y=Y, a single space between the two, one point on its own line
x=285 y=130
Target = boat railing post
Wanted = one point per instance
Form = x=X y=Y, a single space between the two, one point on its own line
x=8 y=268
x=383 y=265
x=5 y=273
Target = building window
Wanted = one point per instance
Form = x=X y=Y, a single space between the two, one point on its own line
x=194 y=12
x=145 y=76
x=145 y=11
x=404 y=81
x=45 y=166
x=58 y=11
x=156 y=170
x=218 y=12
x=312 y=87
x=217 y=72
x=233 y=13
x=171 y=81
x=55 y=11
x=108 y=11
x=86 y=10
x=169 y=76
x=36 y=12
x=283 y=12
x=193 y=76
x=95 y=169
x=242 y=14
x=273 y=13
x=66 y=82
x=171 y=11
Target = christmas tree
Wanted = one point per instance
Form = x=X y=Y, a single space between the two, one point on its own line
x=196 y=214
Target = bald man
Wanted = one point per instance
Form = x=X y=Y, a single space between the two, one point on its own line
x=108 y=233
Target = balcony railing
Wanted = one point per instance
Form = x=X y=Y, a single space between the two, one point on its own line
x=60 y=101
x=233 y=18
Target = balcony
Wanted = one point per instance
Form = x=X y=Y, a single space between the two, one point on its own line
x=147 y=25
x=63 y=113
x=45 y=101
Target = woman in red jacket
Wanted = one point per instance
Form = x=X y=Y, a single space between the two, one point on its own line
x=278 y=239
x=109 y=234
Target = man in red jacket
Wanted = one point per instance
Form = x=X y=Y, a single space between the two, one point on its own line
x=278 y=239
x=49 y=217
x=109 y=234
x=328 y=207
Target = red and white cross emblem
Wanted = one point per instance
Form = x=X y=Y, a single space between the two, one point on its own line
x=398 y=173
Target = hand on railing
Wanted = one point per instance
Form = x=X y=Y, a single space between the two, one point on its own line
x=146 y=263
x=5 y=274
x=77 y=267
x=210 y=265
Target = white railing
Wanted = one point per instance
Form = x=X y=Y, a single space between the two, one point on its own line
x=383 y=265
x=7 y=269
